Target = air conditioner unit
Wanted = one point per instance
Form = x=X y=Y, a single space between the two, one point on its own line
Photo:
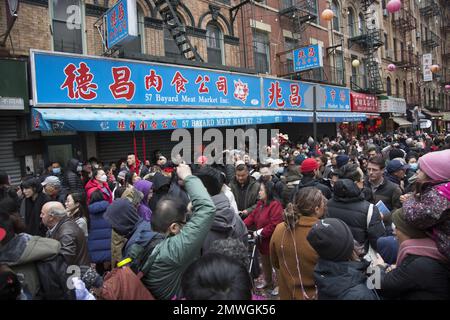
x=417 y=34
x=385 y=13
x=389 y=53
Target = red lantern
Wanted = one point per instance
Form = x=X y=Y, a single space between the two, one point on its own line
x=394 y=6
x=391 y=67
x=327 y=14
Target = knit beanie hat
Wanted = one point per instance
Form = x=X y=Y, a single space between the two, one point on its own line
x=342 y=160
x=332 y=240
x=398 y=218
x=309 y=165
x=299 y=159
x=436 y=165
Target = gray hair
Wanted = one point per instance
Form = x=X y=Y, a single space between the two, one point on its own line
x=57 y=212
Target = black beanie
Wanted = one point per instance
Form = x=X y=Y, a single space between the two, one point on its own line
x=332 y=240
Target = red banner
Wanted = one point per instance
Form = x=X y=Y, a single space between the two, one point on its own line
x=362 y=102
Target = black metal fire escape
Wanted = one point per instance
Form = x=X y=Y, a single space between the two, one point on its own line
x=167 y=10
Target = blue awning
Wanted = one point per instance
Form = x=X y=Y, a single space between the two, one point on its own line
x=332 y=117
x=89 y=119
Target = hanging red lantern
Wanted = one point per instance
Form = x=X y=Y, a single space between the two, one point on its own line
x=393 y=6
x=327 y=14
x=391 y=67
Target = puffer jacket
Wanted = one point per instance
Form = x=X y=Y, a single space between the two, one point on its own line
x=348 y=205
x=172 y=256
x=99 y=239
x=72 y=180
x=226 y=224
x=343 y=280
x=21 y=253
x=432 y=213
x=93 y=185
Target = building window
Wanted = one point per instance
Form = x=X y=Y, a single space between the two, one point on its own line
x=336 y=16
x=170 y=47
x=261 y=48
x=388 y=86
x=351 y=22
x=411 y=90
x=361 y=24
x=289 y=45
x=338 y=74
x=67 y=25
x=397 y=88
x=405 y=90
x=137 y=45
x=214 y=43
x=386 y=41
x=395 y=49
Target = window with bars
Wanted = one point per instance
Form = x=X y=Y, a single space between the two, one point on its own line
x=336 y=16
x=214 y=44
x=261 y=49
x=66 y=25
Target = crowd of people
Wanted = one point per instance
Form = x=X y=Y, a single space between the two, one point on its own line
x=312 y=223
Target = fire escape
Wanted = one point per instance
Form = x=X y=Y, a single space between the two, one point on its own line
x=407 y=58
x=167 y=10
x=368 y=37
x=429 y=8
x=297 y=13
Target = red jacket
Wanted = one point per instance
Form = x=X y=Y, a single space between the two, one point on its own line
x=266 y=217
x=94 y=185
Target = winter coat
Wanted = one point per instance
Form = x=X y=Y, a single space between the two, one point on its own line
x=93 y=185
x=140 y=169
x=173 y=255
x=141 y=235
x=229 y=194
x=30 y=212
x=21 y=254
x=144 y=211
x=247 y=195
x=417 y=278
x=308 y=181
x=431 y=213
x=343 y=280
x=226 y=224
x=265 y=217
x=348 y=205
x=284 y=256
x=72 y=180
x=73 y=242
x=99 y=239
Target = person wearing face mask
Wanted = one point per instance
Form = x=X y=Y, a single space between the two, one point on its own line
x=99 y=182
x=349 y=205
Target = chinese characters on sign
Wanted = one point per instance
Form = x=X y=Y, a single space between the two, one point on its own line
x=308 y=58
x=363 y=102
x=427 y=62
x=121 y=23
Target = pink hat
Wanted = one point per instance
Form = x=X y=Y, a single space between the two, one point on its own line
x=436 y=165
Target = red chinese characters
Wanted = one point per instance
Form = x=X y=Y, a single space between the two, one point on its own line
x=113 y=19
x=311 y=52
x=79 y=82
x=121 y=125
x=122 y=86
x=179 y=82
x=294 y=98
x=121 y=12
x=202 y=80
x=222 y=85
x=153 y=80
x=275 y=95
x=333 y=94
x=154 y=124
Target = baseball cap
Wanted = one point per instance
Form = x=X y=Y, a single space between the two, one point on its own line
x=395 y=165
x=52 y=180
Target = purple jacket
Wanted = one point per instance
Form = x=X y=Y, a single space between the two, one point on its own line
x=145 y=187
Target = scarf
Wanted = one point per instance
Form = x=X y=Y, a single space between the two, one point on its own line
x=424 y=247
x=444 y=190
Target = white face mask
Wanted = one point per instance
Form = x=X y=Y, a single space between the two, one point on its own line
x=103 y=178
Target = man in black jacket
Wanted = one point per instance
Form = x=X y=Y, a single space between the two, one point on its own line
x=66 y=231
x=72 y=180
x=245 y=189
x=310 y=171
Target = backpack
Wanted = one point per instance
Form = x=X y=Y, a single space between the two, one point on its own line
x=124 y=283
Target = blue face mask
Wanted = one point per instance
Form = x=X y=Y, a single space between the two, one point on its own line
x=414 y=166
x=56 y=170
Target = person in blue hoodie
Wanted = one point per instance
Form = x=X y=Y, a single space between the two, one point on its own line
x=99 y=239
x=339 y=274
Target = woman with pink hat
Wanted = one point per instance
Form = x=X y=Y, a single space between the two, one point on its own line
x=429 y=207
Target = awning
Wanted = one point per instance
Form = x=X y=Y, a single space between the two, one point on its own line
x=83 y=119
x=433 y=115
x=372 y=115
x=402 y=122
x=330 y=117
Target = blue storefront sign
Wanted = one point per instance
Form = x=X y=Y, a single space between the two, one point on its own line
x=76 y=80
x=121 y=23
x=297 y=95
x=309 y=57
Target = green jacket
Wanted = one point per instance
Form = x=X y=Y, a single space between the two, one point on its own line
x=174 y=254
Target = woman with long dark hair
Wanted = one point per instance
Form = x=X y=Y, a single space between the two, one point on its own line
x=77 y=210
x=265 y=217
x=30 y=209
